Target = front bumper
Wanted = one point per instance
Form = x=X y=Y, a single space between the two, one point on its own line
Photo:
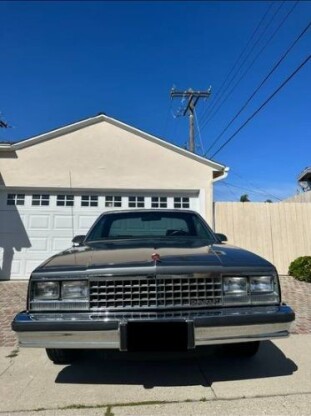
x=108 y=330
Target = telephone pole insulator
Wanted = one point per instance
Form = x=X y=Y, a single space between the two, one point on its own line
x=192 y=97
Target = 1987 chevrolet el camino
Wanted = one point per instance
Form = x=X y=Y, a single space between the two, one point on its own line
x=151 y=280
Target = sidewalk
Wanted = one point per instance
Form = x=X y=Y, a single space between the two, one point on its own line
x=13 y=299
x=276 y=381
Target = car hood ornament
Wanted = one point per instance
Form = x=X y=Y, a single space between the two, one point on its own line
x=155 y=257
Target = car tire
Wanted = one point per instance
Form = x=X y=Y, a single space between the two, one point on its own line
x=62 y=356
x=242 y=349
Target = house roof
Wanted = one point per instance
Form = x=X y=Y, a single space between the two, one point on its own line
x=103 y=118
x=5 y=146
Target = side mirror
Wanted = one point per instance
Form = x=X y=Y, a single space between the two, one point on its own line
x=221 y=237
x=78 y=240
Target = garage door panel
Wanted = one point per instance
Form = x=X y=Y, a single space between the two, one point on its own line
x=86 y=221
x=16 y=267
x=62 y=222
x=39 y=244
x=39 y=222
x=59 y=244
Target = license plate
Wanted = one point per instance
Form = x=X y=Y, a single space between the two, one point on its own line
x=156 y=336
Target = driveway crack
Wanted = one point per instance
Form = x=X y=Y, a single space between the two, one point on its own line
x=205 y=378
x=6 y=369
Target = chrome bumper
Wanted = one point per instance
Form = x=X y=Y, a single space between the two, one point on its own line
x=205 y=327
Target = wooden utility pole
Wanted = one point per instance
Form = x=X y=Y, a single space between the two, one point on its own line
x=192 y=97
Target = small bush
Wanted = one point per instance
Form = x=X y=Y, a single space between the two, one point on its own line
x=300 y=268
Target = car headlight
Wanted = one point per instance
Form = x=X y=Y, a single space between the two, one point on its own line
x=75 y=290
x=46 y=291
x=235 y=285
x=262 y=284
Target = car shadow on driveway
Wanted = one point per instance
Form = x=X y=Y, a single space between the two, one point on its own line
x=204 y=366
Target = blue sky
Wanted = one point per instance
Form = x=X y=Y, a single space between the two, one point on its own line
x=65 y=61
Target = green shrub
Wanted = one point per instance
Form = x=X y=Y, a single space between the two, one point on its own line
x=301 y=268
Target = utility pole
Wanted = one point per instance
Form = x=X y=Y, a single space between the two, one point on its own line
x=193 y=97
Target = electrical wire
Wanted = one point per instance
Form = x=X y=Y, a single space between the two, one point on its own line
x=167 y=118
x=260 y=85
x=213 y=103
x=235 y=195
x=247 y=189
x=221 y=101
x=216 y=110
x=254 y=186
x=263 y=104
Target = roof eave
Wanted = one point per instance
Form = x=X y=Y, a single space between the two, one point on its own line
x=164 y=143
x=6 y=147
x=217 y=167
x=57 y=132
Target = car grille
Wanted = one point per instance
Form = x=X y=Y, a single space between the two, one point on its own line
x=155 y=292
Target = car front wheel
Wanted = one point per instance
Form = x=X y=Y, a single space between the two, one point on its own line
x=62 y=356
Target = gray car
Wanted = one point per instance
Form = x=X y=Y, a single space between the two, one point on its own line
x=152 y=280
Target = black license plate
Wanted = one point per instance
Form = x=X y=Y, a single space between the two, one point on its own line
x=156 y=336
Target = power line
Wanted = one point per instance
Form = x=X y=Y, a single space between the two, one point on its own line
x=255 y=186
x=221 y=101
x=168 y=114
x=212 y=109
x=240 y=56
x=260 y=85
x=167 y=126
x=263 y=104
x=240 y=187
x=235 y=195
x=248 y=190
x=212 y=115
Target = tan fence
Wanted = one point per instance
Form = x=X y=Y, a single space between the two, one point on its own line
x=303 y=197
x=280 y=232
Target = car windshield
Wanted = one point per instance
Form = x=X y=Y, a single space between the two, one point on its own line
x=138 y=225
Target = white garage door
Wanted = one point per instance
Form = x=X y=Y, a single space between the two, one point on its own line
x=34 y=226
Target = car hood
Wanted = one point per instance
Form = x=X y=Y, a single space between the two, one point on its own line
x=180 y=256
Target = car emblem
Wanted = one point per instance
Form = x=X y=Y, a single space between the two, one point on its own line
x=155 y=257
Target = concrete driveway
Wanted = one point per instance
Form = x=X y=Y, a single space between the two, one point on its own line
x=276 y=381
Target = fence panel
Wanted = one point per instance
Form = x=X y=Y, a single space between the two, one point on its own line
x=280 y=232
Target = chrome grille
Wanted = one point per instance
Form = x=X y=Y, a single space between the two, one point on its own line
x=155 y=292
